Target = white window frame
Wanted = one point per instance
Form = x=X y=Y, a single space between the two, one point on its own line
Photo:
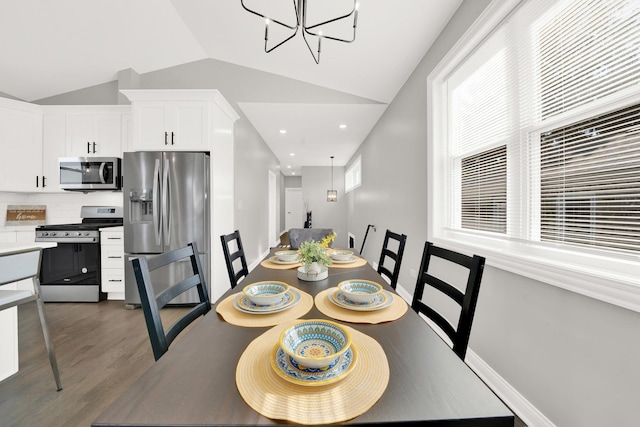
x=353 y=175
x=584 y=271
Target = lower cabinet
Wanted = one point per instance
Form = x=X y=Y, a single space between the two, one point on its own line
x=112 y=262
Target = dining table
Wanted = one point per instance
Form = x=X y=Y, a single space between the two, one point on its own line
x=221 y=371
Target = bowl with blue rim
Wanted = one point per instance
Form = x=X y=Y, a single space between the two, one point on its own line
x=266 y=293
x=360 y=291
x=315 y=343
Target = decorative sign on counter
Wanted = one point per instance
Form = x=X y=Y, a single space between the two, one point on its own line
x=26 y=214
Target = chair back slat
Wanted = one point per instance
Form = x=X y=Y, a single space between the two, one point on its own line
x=229 y=257
x=467 y=300
x=152 y=303
x=386 y=252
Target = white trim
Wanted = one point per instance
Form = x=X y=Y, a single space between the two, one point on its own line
x=509 y=395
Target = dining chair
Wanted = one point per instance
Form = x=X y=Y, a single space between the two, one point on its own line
x=472 y=268
x=389 y=254
x=234 y=241
x=21 y=265
x=151 y=302
x=297 y=236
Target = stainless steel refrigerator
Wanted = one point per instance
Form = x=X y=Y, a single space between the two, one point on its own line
x=166 y=206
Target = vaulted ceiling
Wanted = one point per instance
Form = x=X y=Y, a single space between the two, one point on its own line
x=54 y=47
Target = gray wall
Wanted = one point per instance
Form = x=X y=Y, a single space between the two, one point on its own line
x=574 y=358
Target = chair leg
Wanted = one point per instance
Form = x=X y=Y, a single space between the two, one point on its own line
x=47 y=338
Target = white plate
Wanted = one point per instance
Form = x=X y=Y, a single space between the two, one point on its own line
x=385 y=300
x=274 y=259
x=348 y=261
x=243 y=303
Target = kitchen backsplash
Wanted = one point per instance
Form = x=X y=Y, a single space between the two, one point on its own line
x=62 y=208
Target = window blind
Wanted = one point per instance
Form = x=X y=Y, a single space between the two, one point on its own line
x=552 y=86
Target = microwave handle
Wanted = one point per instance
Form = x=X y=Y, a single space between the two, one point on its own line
x=155 y=202
x=103 y=168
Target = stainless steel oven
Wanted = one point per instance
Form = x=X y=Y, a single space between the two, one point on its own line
x=70 y=272
x=90 y=173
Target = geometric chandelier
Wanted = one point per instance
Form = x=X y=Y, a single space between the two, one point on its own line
x=300 y=8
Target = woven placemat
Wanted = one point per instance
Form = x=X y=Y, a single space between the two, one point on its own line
x=359 y=262
x=396 y=310
x=268 y=264
x=276 y=398
x=231 y=315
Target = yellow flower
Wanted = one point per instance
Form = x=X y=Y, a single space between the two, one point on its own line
x=328 y=239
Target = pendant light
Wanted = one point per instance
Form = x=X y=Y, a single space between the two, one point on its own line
x=332 y=195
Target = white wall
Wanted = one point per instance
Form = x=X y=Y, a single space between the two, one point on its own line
x=575 y=359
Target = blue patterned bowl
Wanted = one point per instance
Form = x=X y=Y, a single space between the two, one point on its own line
x=360 y=291
x=266 y=293
x=342 y=255
x=315 y=343
x=287 y=256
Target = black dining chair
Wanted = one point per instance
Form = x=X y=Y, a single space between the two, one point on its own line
x=234 y=254
x=388 y=255
x=467 y=299
x=297 y=236
x=20 y=265
x=152 y=302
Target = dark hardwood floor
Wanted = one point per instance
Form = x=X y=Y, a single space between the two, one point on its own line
x=101 y=349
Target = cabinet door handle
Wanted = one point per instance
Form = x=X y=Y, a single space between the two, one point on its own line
x=115 y=280
x=88 y=147
x=166 y=134
x=114 y=238
x=37 y=181
x=171 y=138
x=94 y=147
x=115 y=257
x=44 y=181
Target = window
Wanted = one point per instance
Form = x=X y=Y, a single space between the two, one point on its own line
x=534 y=144
x=353 y=175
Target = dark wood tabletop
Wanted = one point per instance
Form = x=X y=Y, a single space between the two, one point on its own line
x=193 y=384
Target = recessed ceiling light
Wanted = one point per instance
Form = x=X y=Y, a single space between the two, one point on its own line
x=292 y=154
x=293 y=173
x=343 y=126
x=288 y=166
x=283 y=131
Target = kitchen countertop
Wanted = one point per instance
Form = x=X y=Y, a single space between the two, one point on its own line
x=16 y=246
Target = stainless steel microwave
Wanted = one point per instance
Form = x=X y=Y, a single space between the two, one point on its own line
x=90 y=173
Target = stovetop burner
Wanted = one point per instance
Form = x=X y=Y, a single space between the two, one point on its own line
x=93 y=219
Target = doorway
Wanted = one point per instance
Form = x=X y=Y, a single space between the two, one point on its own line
x=294 y=208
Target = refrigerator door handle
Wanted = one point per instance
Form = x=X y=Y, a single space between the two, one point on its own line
x=156 y=212
x=166 y=203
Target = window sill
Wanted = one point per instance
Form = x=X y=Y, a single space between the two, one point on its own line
x=615 y=281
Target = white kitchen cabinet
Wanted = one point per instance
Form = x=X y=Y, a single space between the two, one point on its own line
x=112 y=262
x=53 y=147
x=21 y=142
x=173 y=120
x=95 y=131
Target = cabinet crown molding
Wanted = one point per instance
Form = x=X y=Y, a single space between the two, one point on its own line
x=213 y=95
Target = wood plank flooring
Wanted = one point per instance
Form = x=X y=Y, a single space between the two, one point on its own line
x=101 y=350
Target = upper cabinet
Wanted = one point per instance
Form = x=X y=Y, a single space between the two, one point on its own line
x=175 y=120
x=94 y=135
x=21 y=142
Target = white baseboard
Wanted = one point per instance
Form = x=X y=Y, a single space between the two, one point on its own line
x=528 y=413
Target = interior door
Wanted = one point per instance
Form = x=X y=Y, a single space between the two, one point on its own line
x=294 y=208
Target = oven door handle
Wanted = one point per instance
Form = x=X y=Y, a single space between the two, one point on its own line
x=166 y=203
x=155 y=204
